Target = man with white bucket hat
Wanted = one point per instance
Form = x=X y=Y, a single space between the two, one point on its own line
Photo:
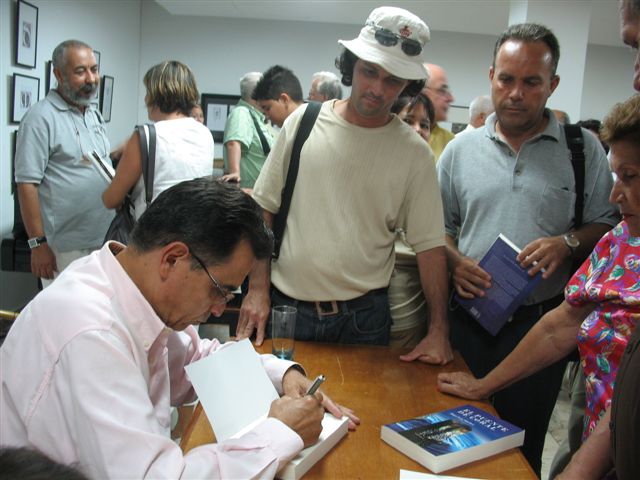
x=362 y=175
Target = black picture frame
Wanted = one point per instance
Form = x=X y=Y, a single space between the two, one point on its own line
x=14 y=143
x=216 y=109
x=25 y=92
x=50 y=81
x=96 y=99
x=106 y=97
x=26 y=35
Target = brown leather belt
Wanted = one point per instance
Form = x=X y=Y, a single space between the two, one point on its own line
x=332 y=307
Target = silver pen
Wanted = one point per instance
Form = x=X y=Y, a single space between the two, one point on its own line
x=315 y=385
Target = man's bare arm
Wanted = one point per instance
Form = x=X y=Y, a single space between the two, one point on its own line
x=43 y=261
x=234 y=153
x=255 y=306
x=435 y=347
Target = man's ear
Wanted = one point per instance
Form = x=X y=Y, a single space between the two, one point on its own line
x=58 y=74
x=491 y=73
x=555 y=80
x=171 y=256
x=284 y=98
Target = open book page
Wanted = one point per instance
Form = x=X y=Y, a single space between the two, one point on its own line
x=409 y=475
x=236 y=395
x=233 y=387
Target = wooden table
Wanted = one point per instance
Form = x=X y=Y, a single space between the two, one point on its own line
x=380 y=389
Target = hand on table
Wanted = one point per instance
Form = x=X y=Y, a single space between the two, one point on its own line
x=295 y=385
x=434 y=349
x=254 y=313
x=462 y=385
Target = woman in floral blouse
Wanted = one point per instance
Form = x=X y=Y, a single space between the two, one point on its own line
x=601 y=307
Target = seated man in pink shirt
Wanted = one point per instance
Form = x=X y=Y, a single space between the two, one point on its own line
x=92 y=365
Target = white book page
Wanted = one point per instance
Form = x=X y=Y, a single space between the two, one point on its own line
x=409 y=475
x=233 y=387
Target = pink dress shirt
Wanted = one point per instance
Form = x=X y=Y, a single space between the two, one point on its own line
x=89 y=372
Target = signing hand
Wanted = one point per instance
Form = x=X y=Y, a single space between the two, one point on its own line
x=462 y=385
x=254 y=313
x=548 y=252
x=302 y=415
x=469 y=279
x=295 y=385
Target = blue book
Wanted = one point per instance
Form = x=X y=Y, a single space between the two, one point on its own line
x=444 y=440
x=510 y=286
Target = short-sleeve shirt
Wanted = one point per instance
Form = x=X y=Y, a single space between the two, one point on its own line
x=241 y=128
x=609 y=278
x=355 y=187
x=53 y=151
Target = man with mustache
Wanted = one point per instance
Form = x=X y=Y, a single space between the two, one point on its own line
x=58 y=187
x=363 y=174
x=513 y=176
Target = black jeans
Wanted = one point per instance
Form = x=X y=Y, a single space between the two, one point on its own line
x=528 y=403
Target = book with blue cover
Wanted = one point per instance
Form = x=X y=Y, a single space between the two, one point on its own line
x=444 y=440
x=510 y=286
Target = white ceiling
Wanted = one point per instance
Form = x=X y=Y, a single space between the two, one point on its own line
x=488 y=17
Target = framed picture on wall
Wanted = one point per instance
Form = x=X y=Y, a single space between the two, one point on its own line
x=26 y=41
x=96 y=98
x=50 y=81
x=216 y=109
x=25 y=92
x=106 y=97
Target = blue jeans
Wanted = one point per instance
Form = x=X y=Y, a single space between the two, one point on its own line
x=367 y=323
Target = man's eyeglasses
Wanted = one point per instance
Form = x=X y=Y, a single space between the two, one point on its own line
x=389 y=39
x=225 y=295
x=442 y=91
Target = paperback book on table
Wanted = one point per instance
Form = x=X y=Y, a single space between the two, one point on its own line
x=510 y=286
x=444 y=440
x=236 y=395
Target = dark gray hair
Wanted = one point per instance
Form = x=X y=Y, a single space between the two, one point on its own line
x=58 y=56
x=530 y=33
x=328 y=85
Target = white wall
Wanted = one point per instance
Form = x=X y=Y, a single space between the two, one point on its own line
x=113 y=28
x=133 y=35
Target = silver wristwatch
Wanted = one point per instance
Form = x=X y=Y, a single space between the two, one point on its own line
x=572 y=242
x=36 y=242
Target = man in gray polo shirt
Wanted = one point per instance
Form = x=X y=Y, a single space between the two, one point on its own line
x=58 y=187
x=514 y=176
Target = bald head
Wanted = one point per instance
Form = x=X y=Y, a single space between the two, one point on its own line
x=438 y=91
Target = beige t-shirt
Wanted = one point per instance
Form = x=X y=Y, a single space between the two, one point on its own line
x=355 y=186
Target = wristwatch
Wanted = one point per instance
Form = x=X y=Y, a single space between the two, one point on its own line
x=36 y=242
x=572 y=242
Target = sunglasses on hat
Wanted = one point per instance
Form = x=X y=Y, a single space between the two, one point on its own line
x=387 y=38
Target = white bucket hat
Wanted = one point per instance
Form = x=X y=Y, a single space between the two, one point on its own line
x=394 y=39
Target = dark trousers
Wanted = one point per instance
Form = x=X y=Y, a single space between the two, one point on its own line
x=364 y=320
x=528 y=403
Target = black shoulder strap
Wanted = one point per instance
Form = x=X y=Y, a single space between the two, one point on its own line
x=280 y=219
x=575 y=142
x=148 y=153
x=263 y=140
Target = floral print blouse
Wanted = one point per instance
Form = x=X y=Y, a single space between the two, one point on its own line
x=610 y=278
